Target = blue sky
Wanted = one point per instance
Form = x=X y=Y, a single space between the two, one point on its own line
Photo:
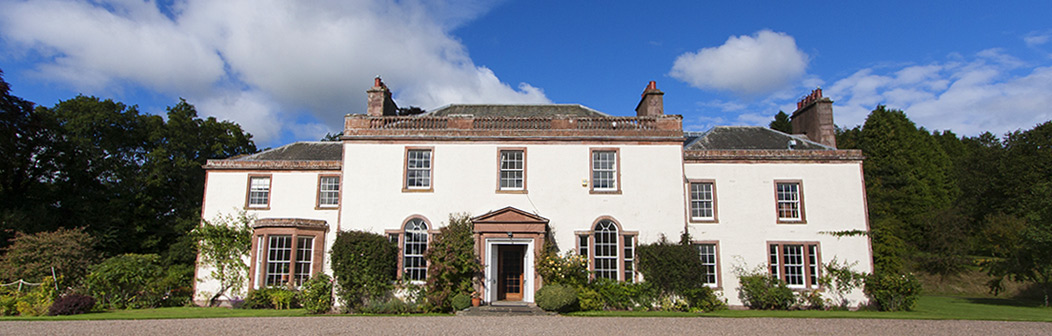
x=289 y=70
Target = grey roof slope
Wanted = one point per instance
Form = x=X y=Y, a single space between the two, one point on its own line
x=746 y=137
x=545 y=110
x=300 y=151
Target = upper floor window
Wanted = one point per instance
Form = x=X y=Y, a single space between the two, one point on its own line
x=414 y=266
x=703 y=201
x=605 y=171
x=796 y=264
x=328 y=191
x=790 y=205
x=258 y=192
x=418 y=169
x=512 y=169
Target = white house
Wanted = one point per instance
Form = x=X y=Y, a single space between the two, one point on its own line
x=600 y=184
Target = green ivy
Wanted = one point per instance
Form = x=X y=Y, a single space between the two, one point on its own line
x=365 y=265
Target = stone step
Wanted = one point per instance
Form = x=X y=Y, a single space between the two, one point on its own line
x=504 y=310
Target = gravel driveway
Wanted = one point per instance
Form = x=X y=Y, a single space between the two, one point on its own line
x=533 y=325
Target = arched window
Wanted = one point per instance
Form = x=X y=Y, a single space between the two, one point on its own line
x=606 y=249
x=414 y=265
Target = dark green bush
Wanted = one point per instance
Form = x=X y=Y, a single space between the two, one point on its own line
x=316 y=295
x=461 y=301
x=702 y=298
x=452 y=262
x=671 y=267
x=126 y=281
x=761 y=291
x=365 y=265
x=389 y=306
x=624 y=295
x=72 y=304
x=893 y=292
x=557 y=297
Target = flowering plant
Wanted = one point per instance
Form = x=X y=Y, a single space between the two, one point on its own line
x=568 y=269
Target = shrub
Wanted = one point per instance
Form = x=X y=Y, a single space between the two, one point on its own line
x=72 y=304
x=223 y=244
x=8 y=302
x=258 y=299
x=36 y=302
x=365 y=265
x=624 y=295
x=557 y=297
x=124 y=281
x=390 y=306
x=316 y=295
x=31 y=257
x=840 y=281
x=569 y=269
x=703 y=299
x=461 y=301
x=893 y=292
x=589 y=300
x=671 y=267
x=759 y=290
x=812 y=299
x=172 y=287
x=283 y=298
x=453 y=264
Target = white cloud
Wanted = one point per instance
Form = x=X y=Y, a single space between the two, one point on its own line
x=1035 y=39
x=991 y=91
x=753 y=65
x=271 y=58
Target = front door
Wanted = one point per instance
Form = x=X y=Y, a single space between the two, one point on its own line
x=509 y=272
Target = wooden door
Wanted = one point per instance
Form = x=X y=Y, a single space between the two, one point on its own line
x=510 y=272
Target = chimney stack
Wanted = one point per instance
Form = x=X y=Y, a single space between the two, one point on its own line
x=814 y=118
x=380 y=102
x=652 y=104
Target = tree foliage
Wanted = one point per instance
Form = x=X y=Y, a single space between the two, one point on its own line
x=131 y=180
x=365 y=265
x=31 y=256
x=453 y=264
x=672 y=267
x=223 y=245
x=781 y=123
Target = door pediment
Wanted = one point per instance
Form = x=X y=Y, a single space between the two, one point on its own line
x=509 y=219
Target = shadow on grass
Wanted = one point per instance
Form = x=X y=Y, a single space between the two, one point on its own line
x=1027 y=303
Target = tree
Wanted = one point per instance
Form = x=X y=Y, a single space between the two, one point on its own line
x=223 y=244
x=781 y=123
x=32 y=256
x=408 y=111
x=907 y=179
x=453 y=264
x=365 y=265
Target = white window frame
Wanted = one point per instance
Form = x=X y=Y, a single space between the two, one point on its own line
x=511 y=174
x=258 y=196
x=796 y=263
x=419 y=172
x=702 y=201
x=604 y=165
x=328 y=191
x=415 y=243
x=278 y=268
x=789 y=201
x=708 y=252
x=606 y=251
x=304 y=260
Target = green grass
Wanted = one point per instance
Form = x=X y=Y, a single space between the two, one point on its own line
x=166 y=313
x=928 y=308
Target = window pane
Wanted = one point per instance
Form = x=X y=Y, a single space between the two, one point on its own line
x=279 y=254
x=414 y=265
x=304 y=257
x=418 y=168
x=329 y=190
x=701 y=200
x=793 y=260
x=788 y=201
x=512 y=169
x=259 y=191
x=707 y=254
x=606 y=250
x=604 y=170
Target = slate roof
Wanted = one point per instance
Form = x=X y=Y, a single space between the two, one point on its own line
x=300 y=151
x=546 y=110
x=746 y=137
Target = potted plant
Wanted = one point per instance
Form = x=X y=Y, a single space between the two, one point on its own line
x=475 y=299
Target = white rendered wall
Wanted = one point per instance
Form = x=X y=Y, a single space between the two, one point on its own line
x=465 y=180
x=293 y=194
x=833 y=200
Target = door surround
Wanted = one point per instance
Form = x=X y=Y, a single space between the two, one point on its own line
x=508 y=226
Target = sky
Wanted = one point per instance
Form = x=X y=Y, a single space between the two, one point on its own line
x=290 y=70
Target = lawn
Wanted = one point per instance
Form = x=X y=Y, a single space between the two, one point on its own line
x=928 y=307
